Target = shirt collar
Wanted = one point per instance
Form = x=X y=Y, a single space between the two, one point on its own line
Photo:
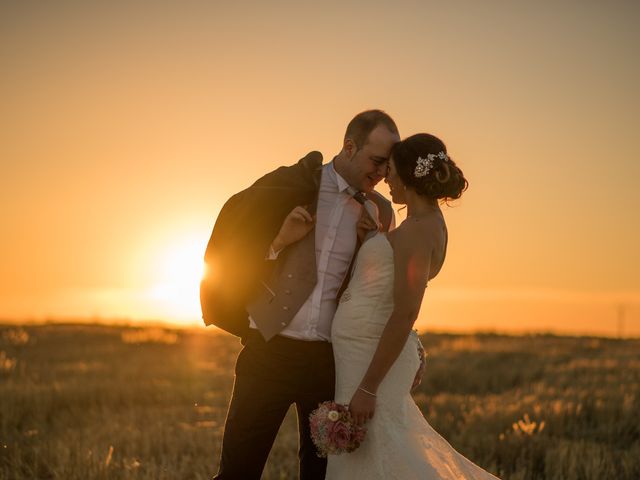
x=341 y=183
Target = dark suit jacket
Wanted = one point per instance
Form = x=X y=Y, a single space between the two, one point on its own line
x=239 y=281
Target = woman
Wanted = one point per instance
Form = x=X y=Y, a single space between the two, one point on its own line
x=373 y=343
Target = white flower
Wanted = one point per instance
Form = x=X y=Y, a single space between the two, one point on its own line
x=333 y=415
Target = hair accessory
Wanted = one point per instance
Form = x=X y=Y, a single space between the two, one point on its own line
x=424 y=165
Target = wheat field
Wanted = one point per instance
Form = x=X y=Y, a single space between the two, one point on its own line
x=114 y=402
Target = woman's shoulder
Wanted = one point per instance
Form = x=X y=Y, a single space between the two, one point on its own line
x=420 y=240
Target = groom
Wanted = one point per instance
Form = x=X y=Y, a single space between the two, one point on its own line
x=279 y=257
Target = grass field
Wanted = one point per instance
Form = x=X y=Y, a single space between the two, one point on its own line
x=101 y=402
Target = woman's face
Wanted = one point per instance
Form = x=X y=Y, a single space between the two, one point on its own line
x=396 y=186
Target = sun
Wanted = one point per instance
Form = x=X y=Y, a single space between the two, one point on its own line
x=176 y=285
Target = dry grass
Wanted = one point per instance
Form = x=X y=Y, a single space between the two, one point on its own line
x=95 y=402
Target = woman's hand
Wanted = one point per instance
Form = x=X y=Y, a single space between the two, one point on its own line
x=298 y=223
x=362 y=407
x=365 y=225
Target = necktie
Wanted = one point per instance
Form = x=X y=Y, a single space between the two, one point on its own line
x=369 y=207
x=372 y=210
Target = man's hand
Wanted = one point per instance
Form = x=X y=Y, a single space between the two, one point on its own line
x=362 y=407
x=297 y=224
x=365 y=225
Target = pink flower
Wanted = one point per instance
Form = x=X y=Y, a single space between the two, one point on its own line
x=340 y=435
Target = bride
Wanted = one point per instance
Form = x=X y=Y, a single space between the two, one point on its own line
x=373 y=343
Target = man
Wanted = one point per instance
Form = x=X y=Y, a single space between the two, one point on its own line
x=284 y=248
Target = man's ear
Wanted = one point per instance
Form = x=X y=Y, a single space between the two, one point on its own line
x=349 y=147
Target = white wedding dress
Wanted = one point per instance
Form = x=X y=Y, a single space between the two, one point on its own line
x=399 y=443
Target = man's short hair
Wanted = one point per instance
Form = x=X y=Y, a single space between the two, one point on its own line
x=365 y=122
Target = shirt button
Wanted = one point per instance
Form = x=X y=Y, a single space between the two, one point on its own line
x=284 y=324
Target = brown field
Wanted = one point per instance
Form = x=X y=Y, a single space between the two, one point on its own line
x=96 y=402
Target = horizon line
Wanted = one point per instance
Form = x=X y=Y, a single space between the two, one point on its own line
x=177 y=325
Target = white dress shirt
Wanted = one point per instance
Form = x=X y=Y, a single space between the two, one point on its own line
x=335 y=241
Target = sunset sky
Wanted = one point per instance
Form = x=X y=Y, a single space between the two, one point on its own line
x=124 y=126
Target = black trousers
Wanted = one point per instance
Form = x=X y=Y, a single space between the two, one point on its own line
x=270 y=377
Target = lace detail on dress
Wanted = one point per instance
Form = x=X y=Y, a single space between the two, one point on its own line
x=346 y=296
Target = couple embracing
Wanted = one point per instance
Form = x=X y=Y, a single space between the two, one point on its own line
x=307 y=268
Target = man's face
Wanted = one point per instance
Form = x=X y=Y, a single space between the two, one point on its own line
x=369 y=163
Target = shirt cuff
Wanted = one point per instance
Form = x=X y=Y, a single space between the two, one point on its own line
x=272 y=254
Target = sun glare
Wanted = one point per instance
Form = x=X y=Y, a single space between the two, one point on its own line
x=177 y=284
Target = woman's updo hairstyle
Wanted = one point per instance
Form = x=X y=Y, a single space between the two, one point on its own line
x=423 y=164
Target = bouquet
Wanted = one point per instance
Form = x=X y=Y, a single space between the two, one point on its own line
x=333 y=431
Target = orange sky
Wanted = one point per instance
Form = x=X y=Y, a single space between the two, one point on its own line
x=123 y=128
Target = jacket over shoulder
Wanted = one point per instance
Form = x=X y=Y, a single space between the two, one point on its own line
x=247 y=224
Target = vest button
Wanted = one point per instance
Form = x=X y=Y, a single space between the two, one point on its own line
x=285 y=308
x=284 y=324
x=289 y=275
x=287 y=291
